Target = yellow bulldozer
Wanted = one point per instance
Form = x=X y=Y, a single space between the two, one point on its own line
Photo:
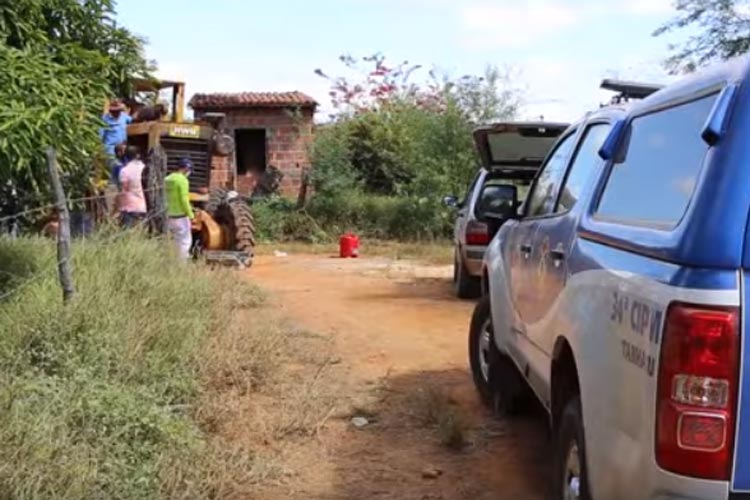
x=223 y=228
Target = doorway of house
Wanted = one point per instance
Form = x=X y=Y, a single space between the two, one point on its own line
x=250 y=147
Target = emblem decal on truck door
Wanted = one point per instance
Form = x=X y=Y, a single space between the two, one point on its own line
x=636 y=318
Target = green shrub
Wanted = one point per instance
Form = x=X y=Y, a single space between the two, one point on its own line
x=21 y=260
x=383 y=217
x=330 y=153
x=325 y=218
x=95 y=396
x=399 y=150
x=278 y=219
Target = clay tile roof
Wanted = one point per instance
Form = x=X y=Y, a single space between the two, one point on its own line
x=252 y=100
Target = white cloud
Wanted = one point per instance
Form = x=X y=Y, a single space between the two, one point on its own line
x=491 y=24
x=558 y=89
x=514 y=24
x=563 y=89
x=648 y=7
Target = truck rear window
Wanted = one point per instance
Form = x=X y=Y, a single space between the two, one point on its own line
x=654 y=182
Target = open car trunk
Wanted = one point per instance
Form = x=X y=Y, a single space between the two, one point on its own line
x=516 y=150
x=512 y=152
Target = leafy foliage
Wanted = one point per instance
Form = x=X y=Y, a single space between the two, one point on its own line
x=77 y=33
x=723 y=31
x=61 y=60
x=393 y=136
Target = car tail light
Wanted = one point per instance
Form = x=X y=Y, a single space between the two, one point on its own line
x=477 y=233
x=697 y=391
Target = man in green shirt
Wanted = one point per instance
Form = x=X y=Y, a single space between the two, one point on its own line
x=179 y=210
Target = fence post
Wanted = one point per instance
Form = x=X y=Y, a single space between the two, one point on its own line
x=63 y=232
x=157 y=168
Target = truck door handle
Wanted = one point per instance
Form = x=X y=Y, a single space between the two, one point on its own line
x=525 y=250
x=557 y=254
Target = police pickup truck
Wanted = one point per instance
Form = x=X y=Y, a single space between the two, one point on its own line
x=619 y=297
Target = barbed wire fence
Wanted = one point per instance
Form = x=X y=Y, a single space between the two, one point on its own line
x=154 y=221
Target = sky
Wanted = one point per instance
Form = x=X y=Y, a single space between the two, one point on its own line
x=558 y=50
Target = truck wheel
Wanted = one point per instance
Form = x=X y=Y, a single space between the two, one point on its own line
x=235 y=216
x=467 y=286
x=571 y=475
x=216 y=197
x=495 y=376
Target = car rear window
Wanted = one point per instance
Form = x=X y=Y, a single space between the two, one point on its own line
x=654 y=182
x=509 y=148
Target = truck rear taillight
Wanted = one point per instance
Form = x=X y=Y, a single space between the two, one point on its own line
x=477 y=233
x=697 y=388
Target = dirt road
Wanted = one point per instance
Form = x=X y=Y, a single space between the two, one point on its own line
x=399 y=340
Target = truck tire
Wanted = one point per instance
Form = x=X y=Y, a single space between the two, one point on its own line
x=571 y=479
x=216 y=197
x=244 y=235
x=235 y=216
x=467 y=286
x=496 y=378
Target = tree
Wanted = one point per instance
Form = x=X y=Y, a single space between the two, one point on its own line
x=397 y=131
x=61 y=60
x=723 y=31
x=484 y=98
x=378 y=84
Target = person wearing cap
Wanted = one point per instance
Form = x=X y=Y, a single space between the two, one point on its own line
x=115 y=131
x=132 y=200
x=179 y=210
x=113 y=134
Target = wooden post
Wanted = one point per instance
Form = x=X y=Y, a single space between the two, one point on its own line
x=63 y=233
x=157 y=168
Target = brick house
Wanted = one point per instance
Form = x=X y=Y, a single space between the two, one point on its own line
x=270 y=129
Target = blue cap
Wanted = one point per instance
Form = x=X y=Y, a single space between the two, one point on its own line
x=185 y=163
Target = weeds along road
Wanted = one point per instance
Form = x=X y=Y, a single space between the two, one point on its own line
x=397 y=338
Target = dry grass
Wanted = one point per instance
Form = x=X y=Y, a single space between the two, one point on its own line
x=192 y=397
x=438 y=252
x=266 y=385
x=442 y=413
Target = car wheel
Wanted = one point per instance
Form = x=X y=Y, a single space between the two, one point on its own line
x=467 y=286
x=571 y=474
x=495 y=376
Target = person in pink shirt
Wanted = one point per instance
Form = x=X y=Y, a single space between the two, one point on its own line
x=132 y=200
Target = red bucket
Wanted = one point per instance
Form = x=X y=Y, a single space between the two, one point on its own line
x=349 y=246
